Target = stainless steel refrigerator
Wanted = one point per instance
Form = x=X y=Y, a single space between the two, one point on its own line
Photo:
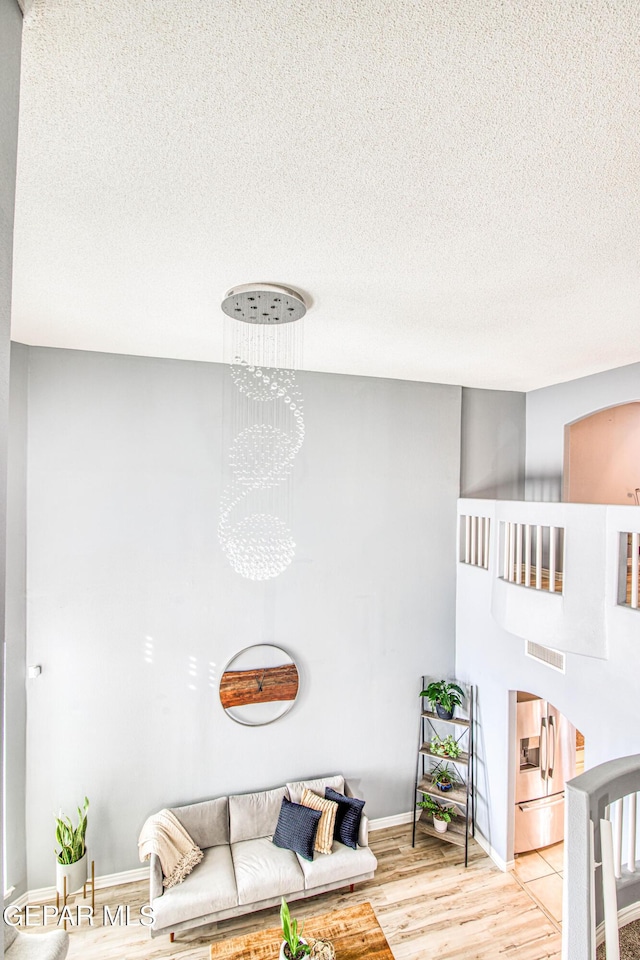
x=546 y=745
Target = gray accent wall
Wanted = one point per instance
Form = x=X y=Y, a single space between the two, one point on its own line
x=10 y=50
x=550 y=409
x=492 y=444
x=133 y=611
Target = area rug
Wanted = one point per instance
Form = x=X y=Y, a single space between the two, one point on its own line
x=629 y=942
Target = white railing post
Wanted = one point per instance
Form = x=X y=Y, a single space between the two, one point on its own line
x=512 y=544
x=474 y=522
x=527 y=555
x=518 y=553
x=609 y=892
x=467 y=539
x=552 y=559
x=635 y=538
x=538 y=557
x=617 y=813
x=487 y=528
x=631 y=834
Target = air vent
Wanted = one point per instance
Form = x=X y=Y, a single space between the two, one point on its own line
x=551 y=658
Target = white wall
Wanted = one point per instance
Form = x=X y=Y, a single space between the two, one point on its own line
x=15 y=624
x=551 y=408
x=599 y=696
x=124 y=481
x=10 y=49
x=492 y=444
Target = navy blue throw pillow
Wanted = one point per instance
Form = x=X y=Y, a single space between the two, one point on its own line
x=348 y=817
x=297 y=828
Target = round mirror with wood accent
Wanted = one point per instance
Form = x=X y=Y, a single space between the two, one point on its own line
x=259 y=685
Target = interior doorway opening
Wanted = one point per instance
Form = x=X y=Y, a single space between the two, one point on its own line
x=602 y=457
x=549 y=750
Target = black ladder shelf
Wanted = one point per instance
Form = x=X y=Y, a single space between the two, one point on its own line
x=462 y=798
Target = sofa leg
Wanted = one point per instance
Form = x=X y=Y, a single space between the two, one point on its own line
x=351 y=887
x=172 y=937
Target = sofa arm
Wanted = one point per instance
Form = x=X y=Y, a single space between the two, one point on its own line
x=155 y=878
x=363 y=833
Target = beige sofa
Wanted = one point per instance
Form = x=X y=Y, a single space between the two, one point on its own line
x=242 y=870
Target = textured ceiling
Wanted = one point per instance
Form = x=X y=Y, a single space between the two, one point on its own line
x=455 y=182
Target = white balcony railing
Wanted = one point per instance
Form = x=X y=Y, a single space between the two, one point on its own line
x=532 y=555
x=566 y=575
x=475 y=537
x=629 y=570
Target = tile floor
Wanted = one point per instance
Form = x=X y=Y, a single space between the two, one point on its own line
x=539 y=873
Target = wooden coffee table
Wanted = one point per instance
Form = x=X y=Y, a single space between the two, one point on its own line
x=355 y=934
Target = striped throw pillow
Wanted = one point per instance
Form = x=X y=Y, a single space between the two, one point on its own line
x=324 y=836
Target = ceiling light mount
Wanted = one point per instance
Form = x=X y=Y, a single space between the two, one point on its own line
x=266 y=303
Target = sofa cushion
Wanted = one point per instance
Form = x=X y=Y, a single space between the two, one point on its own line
x=343 y=864
x=264 y=871
x=297 y=827
x=324 y=835
x=207 y=823
x=209 y=887
x=316 y=786
x=253 y=815
x=347 y=818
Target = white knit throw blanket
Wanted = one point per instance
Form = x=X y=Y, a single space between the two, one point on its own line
x=164 y=835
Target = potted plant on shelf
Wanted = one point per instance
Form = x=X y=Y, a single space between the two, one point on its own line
x=447 y=747
x=430 y=804
x=71 y=858
x=444 y=697
x=443 y=817
x=445 y=778
x=293 y=947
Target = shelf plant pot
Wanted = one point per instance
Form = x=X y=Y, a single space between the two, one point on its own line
x=283 y=955
x=76 y=874
x=440 y=825
x=444 y=714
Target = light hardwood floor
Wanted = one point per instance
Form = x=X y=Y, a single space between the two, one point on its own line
x=427 y=904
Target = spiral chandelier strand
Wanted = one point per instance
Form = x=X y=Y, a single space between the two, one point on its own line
x=264 y=420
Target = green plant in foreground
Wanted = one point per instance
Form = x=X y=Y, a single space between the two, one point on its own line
x=72 y=839
x=447 y=747
x=290 y=933
x=448 y=695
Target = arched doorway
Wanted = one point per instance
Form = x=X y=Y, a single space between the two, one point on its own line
x=548 y=750
x=602 y=457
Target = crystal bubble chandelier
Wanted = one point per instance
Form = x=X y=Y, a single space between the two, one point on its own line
x=264 y=426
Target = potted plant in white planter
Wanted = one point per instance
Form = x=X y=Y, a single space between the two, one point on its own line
x=443 y=817
x=71 y=858
x=292 y=947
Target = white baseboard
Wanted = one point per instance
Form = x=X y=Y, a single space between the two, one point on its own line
x=108 y=880
x=504 y=865
x=397 y=820
x=625 y=916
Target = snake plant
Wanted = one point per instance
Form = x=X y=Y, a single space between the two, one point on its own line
x=70 y=839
